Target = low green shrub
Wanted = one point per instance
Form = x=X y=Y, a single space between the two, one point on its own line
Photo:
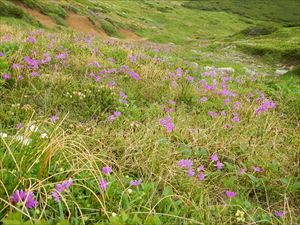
x=259 y=30
x=109 y=28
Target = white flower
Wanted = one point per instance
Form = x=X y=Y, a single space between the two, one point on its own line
x=129 y=191
x=114 y=214
x=26 y=141
x=3 y=135
x=19 y=138
x=33 y=128
x=44 y=135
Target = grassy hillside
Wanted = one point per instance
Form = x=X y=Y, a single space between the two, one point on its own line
x=283 y=44
x=156 y=20
x=285 y=12
x=268 y=33
x=106 y=131
x=179 y=22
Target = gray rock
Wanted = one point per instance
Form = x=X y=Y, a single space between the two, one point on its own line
x=249 y=71
x=279 y=72
x=226 y=69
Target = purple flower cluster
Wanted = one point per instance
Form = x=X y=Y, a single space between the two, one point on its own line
x=60 y=188
x=215 y=158
x=124 y=97
x=62 y=56
x=24 y=197
x=17 y=66
x=188 y=164
x=134 y=75
x=5 y=76
x=135 y=182
x=167 y=123
x=279 y=214
x=132 y=58
x=32 y=63
x=103 y=184
x=230 y=194
x=203 y=99
x=254 y=168
x=106 y=169
x=235 y=118
x=185 y=163
x=265 y=106
x=257 y=169
x=54 y=118
x=31 y=40
x=114 y=116
x=212 y=114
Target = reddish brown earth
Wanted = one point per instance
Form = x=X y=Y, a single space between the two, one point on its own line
x=130 y=35
x=43 y=19
x=78 y=23
x=83 y=24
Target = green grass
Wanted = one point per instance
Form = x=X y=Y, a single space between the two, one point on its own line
x=285 y=12
x=158 y=21
x=282 y=45
x=109 y=29
x=8 y=9
x=135 y=144
x=46 y=7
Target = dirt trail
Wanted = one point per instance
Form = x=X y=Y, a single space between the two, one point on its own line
x=43 y=19
x=83 y=24
x=130 y=35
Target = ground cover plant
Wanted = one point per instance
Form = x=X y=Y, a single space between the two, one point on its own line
x=115 y=132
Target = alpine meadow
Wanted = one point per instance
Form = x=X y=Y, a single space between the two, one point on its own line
x=149 y=112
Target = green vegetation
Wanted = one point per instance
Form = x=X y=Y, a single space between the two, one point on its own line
x=281 y=45
x=184 y=128
x=259 y=30
x=285 y=12
x=158 y=21
x=8 y=9
x=46 y=7
x=109 y=29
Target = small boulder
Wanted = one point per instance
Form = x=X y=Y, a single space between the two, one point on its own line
x=279 y=72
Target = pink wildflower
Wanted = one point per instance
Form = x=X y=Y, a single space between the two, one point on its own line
x=134 y=75
x=279 y=214
x=219 y=165
x=257 y=169
x=167 y=123
x=214 y=158
x=230 y=194
x=201 y=176
x=103 y=184
x=203 y=99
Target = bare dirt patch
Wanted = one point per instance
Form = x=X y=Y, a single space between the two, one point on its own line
x=130 y=35
x=43 y=19
x=83 y=24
